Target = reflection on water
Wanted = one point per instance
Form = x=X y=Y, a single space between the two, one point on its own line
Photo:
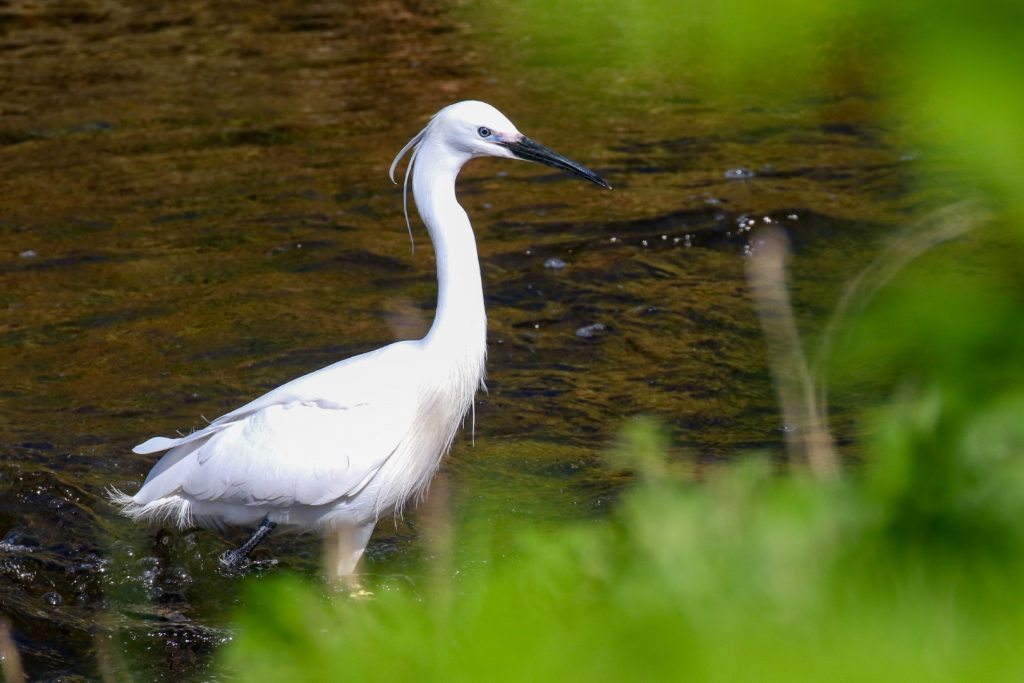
x=194 y=208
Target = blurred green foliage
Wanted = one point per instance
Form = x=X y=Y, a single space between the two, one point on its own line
x=745 y=576
x=905 y=569
x=949 y=70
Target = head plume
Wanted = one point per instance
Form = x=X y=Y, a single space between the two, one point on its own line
x=413 y=145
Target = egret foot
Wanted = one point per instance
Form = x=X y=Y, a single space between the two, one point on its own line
x=233 y=560
x=360 y=593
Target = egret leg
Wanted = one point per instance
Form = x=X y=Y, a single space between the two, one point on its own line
x=348 y=545
x=232 y=559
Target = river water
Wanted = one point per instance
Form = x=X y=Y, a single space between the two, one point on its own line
x=194 y=208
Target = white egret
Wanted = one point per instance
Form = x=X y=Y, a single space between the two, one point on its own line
x=342 y=446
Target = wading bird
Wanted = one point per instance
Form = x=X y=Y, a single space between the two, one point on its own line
x=338 y=448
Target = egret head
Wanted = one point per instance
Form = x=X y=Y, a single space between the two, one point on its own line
x=473 y=129
x=470 y=129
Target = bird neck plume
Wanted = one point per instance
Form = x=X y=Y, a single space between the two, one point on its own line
x=460 y=324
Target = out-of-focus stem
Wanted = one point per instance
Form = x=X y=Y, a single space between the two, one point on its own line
x=10 y=660
x=807 y=434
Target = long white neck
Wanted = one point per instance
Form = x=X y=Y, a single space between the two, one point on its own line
x=459 y=332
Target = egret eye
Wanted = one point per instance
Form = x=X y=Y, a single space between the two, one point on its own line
x=484 y=131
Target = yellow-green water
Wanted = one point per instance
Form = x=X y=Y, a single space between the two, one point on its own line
x=194 y=208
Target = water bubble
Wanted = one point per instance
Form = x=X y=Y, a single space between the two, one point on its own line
x=745 y=222
x=90 y=564
x=750 y=248
x=18 y=542
x=554 y=263
x=28 y=253
x=15 y=568
x=179 y=575
x=53 y=599
x=643 y=243
x=591 y=331
x=739 y=173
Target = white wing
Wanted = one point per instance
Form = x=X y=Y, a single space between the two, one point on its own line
x=311 y=441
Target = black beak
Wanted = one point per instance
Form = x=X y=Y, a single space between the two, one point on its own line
x=527 y=149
